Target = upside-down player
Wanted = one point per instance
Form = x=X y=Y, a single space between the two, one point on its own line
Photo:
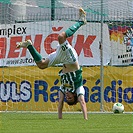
x=71 y=74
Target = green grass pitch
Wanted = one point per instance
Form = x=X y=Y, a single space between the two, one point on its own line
x=71 y=123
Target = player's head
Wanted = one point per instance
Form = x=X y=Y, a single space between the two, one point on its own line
x=71 y=98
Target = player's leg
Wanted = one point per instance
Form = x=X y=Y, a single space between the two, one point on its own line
x=71 y=30
x=41 y=63
x=82 y=20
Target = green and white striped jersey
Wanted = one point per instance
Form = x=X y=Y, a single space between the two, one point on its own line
x=71 y=81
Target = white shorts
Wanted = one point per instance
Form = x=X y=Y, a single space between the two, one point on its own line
x=64 y=54
x=80 y=91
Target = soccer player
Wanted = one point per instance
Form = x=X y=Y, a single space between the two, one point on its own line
x=71 y=87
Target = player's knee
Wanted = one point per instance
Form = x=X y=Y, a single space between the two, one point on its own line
x=42 y=64
x=40 y=67
x=62 y=37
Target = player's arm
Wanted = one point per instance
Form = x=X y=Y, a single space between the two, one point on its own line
x=83 y=106
x=60 y=105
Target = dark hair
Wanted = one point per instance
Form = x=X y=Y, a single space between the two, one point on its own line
x=75 y=100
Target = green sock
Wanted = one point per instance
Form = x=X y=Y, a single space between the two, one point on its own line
x=71 y=30
x=37 y=57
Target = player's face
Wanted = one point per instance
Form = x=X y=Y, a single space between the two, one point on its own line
x=69 y=96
